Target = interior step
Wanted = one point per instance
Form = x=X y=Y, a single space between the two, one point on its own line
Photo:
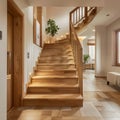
x=63 y=41
x=56 y=67
x=56 y=64
x=58 y=50
x=55 y=58
x=54 y=100
x=57 y=43
x=57 y=61
x=52 y=88
x=56 y=53
x=55 y=72
x=55 y=79
x=61 y=47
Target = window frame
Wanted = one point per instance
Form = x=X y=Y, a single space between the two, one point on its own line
x=117 y=47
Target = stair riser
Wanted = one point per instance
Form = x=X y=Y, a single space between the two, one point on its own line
x=53 y=102
x=57 y=50
x=71 y=81
x=57 y=44
x=55 y=64
x=52 y=90
x=62 y=41
x=62 y=48
x=55 y=58
x=56 y=67
x=70 y=73
x=56 y=61
x=56 y=54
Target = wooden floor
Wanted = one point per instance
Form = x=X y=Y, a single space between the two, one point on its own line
x=101 y=102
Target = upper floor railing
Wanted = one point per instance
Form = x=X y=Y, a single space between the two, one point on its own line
x=79 y=14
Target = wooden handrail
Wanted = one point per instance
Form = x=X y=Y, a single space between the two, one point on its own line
x=77 y=16
x=77 y=52
x=74 y=9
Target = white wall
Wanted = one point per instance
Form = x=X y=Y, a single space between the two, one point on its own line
x=61 y=16
x=101 y=51
x=3 y=59
x=85 y=46
x=110 y=46
x=29 y=46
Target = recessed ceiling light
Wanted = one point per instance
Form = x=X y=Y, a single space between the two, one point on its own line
x=107 y=14
x=82 y=37
x=93 y=30
x=92 y=37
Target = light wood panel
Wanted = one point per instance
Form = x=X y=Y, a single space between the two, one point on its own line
x=10 y=56
x=18 y=60
x=9 y=43
x=9 y=92
x=14 y=10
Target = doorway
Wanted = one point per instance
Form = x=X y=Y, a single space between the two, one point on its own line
x=14 y=55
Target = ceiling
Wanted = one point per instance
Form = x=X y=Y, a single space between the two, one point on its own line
x=65 y=2
x=110 y=7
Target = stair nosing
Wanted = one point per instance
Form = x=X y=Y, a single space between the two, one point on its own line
x=62 y=77
x=57 y=70
x=54 y=86
x=50 y=64
x=48 y=96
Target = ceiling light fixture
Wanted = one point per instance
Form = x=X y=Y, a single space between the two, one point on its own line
x=107 y=15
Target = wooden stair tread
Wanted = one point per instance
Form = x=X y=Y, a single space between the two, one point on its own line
x=53 y=96
x=54 y=85
x=62 y=56
x=58 y=55
x=53 y=76
x=56 y=70
x=57 y=43
x=52 y=64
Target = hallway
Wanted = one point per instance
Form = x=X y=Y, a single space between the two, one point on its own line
x=101 y=102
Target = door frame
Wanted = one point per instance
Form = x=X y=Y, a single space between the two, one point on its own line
x=18 y=35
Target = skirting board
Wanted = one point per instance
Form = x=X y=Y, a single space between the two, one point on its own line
x=100 y=76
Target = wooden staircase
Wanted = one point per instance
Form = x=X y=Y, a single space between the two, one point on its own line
x=55 y=80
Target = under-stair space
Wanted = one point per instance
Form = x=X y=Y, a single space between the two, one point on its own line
x=55 y=79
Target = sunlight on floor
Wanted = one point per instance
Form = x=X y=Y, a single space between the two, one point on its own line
x=101 y=102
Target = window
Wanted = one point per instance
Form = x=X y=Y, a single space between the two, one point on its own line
x=91 y=47
x=118 y=47
x=92 y=52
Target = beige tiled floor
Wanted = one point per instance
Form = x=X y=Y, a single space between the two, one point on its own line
x=101 y=102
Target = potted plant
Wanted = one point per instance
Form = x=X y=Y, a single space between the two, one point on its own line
x=86 y=57
x=51 y=29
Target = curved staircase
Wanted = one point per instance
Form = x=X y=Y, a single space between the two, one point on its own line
x=55 y=79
